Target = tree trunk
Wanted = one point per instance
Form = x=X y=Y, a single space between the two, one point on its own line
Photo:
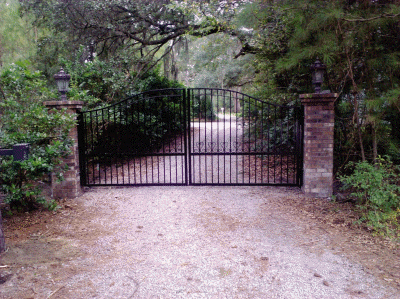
x=357 y=122
x=374 y=144
x=356 y=117
x=2 y=239
x=361 y=143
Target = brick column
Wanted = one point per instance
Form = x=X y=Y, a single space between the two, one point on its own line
x=70 y=187
x=319 y=116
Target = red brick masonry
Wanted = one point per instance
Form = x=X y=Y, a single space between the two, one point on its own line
x=70 y=187
x=319 y=117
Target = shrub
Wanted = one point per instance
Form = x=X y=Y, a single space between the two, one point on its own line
x=96 y=81
x=19 y=180
x=202 y=108
x=376 y=189
x=24 y=119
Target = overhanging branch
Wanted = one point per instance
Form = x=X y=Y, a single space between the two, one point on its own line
x=373 y=18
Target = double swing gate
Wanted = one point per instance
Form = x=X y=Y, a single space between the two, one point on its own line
x=191 y=137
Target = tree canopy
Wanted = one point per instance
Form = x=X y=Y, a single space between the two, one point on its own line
x=17 y=35
x=359 y=41
x=142 y=26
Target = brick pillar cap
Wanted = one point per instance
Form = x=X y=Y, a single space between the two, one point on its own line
x=64 y=104
x=317 y=99
x=319 y=96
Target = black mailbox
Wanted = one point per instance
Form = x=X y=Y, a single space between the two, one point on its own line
x=20 y=152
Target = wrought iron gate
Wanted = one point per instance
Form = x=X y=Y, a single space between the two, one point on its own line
x=191 y=137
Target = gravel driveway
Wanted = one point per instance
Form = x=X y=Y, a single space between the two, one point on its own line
x=184 y=242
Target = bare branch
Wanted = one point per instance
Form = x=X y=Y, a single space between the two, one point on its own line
x=373 y=18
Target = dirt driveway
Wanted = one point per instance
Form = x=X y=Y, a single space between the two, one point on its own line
x=195 y=242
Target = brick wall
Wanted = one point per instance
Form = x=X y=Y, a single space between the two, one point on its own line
x=70 y=187
x=319 y=119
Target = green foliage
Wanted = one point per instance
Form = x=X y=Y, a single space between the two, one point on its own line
x=203 y=108
x=143 y=122
x=101 y=82
x=376 y=189
x=97 y=81
x=21 y=181
x=113 y=27
x=211 y=62
x=24 y=119
x=152 y=80
x=358 y=41
x=140 y=124
x=17 y=35
x=20 y=82
x=272 y=127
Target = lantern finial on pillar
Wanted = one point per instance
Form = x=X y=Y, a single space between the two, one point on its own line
x=62 y=80
x=318 y=69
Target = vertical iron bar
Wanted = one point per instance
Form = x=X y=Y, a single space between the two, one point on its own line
x=81 y=149
x=192 y=146
x=118 y=149
x=230 y=137
x=187 y=136
x=158 y=169
x=200 y=111
x=255 y=138
x=236 y=138
x=205 y=136
x=94 y=137
x=149 y=122
x=136 y=122
x=128 y=154
x=298 y=144
x=152 y=167
x=123 y=153
x=243 y=147
x=281 y=140
x=275 y=124
x=170 y=164
x=178 y=121
x=110 y=156
x=249 y=149
x=211 y=142
x=184 y=142
x=163 y=164
x=262 y=142
x=139 y=123
x=301 y=149
x=89 y=142
x=97 y=129
x=105 y=167
x=293 y=150
x=288 y=144
x=269 y=141
x=224 y=132
x=86 y=148
x=93 y=129
x=218 y=141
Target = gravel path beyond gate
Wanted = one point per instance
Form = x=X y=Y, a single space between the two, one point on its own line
x=189 y=242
